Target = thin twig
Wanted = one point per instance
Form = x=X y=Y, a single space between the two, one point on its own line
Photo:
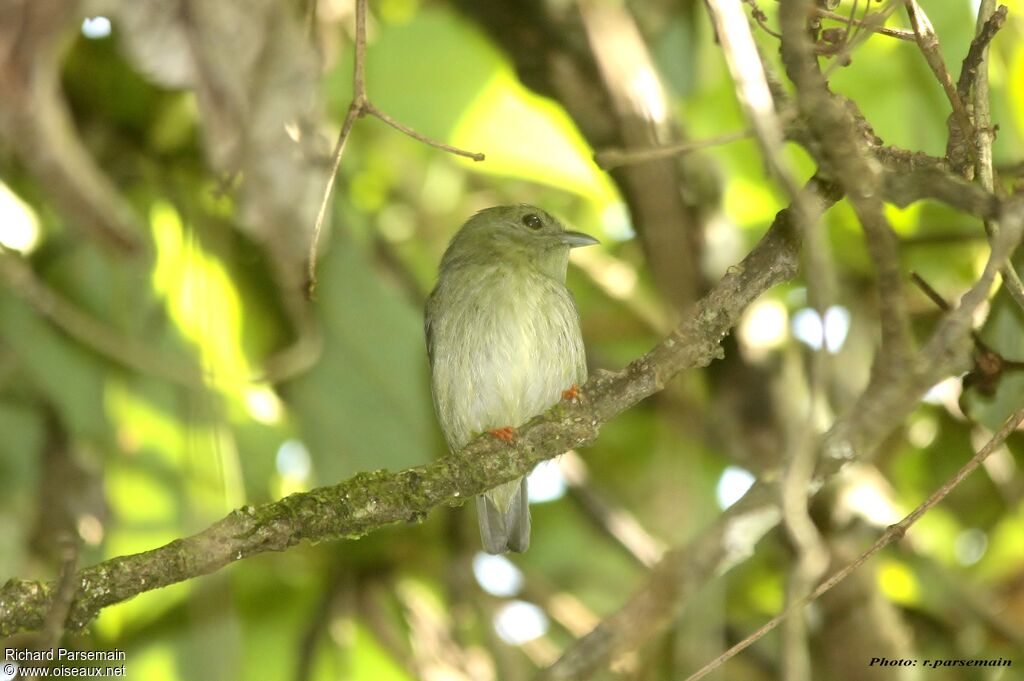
x=371 y=110
x=762 y=19
x=928 y=42
x=812 y=557
x=359 y=107
x=613 y=158
x=989 y=23
x=869 y=22
x=990 y=20
x=929 y=291
x=893 y=533
x=871 y=26
x=339 y=149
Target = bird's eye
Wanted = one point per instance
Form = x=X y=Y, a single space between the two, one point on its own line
x=533 y=221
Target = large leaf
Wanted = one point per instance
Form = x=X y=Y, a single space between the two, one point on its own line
x=366 y=404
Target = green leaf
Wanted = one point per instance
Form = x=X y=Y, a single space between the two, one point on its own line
x=366 y=404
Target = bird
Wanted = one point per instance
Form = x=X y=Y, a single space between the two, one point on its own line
x=504 y=343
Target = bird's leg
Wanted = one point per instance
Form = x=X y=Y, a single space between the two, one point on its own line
x=506 y=434
x=571 y=394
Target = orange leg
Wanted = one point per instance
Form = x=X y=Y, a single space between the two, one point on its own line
x=506 y=434
x=571 y=394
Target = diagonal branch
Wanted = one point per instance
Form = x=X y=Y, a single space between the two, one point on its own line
x=369 y=501
x=686 y=568
x=893 y=533
x=975 y=71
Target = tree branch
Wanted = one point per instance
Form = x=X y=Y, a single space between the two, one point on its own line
x=846 y=156
x=373 y=500
x=732 y=537
x=928 y=42
x=893 y=533
x=975 y=68
x=684 y=569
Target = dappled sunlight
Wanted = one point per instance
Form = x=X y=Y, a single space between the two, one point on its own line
x=898 y=582
x=529 y=137
x=201 y=299
x=19 y=226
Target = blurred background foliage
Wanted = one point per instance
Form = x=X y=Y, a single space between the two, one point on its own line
x=137 y=403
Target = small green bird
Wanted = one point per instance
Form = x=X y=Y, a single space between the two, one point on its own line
x=504 y=342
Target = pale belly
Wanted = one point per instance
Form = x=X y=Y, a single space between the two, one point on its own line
x=502 y=355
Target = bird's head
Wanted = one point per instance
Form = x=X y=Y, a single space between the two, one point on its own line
x=518 y=235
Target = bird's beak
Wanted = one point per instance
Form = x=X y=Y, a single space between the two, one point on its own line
x=577 y=239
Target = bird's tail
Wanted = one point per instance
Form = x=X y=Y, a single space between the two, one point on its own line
x=504 y=516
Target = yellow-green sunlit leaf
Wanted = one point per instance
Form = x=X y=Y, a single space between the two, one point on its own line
x=529 y=137
x=200 y=297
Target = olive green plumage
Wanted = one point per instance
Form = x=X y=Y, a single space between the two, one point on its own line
x=503 y=338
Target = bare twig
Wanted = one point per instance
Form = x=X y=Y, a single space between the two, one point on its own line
x=761 y=19
x=812 y=556
x=339 y=149
x=928 y=42
x=930 y=291
x=892 y=534
x=989 y=23
x=372 y=110
x=975 y=69
x=359 y=107
x=845 y=155
x=869 y=22
x=613 y=158
x=871 y=26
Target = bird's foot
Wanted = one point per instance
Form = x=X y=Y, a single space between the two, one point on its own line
x=571 y=394
x=506 y=434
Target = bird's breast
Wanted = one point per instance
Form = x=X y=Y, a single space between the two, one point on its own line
x=505 y=347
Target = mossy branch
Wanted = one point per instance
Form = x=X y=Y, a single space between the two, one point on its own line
x=369 y=501
x=373 y=500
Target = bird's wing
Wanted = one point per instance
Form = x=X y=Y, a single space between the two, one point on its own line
x=428 y=330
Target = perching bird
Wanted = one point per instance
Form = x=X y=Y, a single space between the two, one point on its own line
x=504 y=342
